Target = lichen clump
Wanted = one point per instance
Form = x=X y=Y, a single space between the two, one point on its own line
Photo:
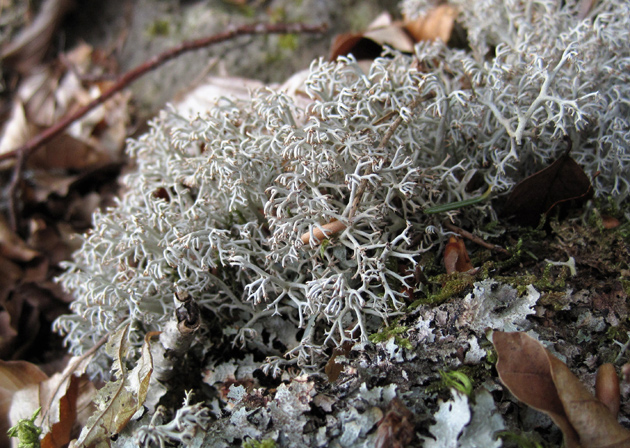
x=220 y=202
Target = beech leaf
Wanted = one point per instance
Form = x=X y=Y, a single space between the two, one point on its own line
x=564 y=180
x=542 y=381
x=30 y=45
x=456 y=257
x=607 y=388
x=369 y=44
x=14 y=376
x=437 y=23
x=61 y=430
x=118 y=400
x=59 y=397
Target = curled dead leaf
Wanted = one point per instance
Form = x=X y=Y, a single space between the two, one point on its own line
x=25 y=388
x=396 y=428
x=369 y=43
x=437 y=23
x=12 y=246
x=59 y=433
x=456 y=257
x=542 y=381
x=118 y=400
x=562 y=181
x=323 y=232
x=356 y=44
x=607 y=388
x=15 y=376
x=610 y=222
x=30 y=45
x=15 y=132
x=333 y=369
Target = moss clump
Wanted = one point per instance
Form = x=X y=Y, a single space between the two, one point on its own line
x=393 y=331
x=267 y=443
x=159 y=28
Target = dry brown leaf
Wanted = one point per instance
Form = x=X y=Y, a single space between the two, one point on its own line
x=607 y=388
x=30 y=45
x=67 y=152
x=8 y=335
x=323 y=232
x=37 y=93
x=11 y=274
x=15 y=132
x=204 y=96
x=354 y=43
x=58 y=396
x=392 y=35
x=438 y=23
x=456 y=257
x=396 y=428
x=524 y=369
x=562 y=181
x=60 y=432
x=118 y=400
x=12 y=246
x=63 y=397
x=47 y=95
x=610 y=222
x=592 y=420
x=542 y=381
x=369 y=44
x=333 y=369
x=14 y=376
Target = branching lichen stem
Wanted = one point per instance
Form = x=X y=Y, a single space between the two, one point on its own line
x=335 y=226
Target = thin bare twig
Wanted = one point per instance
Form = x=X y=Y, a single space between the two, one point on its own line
x=126 y=79
x=14 y=185
x=474 y=238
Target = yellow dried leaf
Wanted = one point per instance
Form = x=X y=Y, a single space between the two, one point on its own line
x=118 y=400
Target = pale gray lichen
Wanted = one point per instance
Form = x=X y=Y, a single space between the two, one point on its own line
x=463 y=425
x=538 y=72
x=186 y=428
x=490 y=306
x=220 y=202
x=496 y=306
x=282 y=417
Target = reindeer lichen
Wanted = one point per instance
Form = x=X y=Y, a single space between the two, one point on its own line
x=220 y=203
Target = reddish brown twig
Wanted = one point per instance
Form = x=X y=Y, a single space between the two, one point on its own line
x=14 y=185
x=125 y=80
x=323 y=232
x=474 y=238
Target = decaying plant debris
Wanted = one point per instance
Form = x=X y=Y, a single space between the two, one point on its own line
x=282 y=269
